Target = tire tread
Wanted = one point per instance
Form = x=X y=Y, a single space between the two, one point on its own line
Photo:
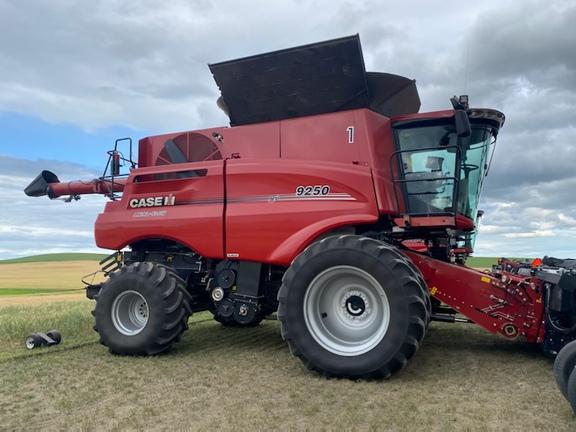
x=175 y=305
x=410 y=280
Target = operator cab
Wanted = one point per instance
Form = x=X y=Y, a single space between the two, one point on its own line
x=441 y=166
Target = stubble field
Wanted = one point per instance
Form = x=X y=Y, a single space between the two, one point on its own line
x=462 y=378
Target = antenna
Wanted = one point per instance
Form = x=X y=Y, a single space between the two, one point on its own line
x=466 y=72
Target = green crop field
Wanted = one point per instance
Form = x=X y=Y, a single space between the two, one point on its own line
x=57 y=257
x=481 y=262
x=487 y=262
x=23 y=291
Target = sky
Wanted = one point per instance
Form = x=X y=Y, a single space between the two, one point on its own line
x=76 y=76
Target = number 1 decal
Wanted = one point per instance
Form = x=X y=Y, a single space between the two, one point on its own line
x=350 y=130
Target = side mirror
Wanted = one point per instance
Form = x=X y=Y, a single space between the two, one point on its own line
x=461 y=116
x=462 y=123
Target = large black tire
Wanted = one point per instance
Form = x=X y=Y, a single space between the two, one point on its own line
x=142 y=309
x=353 y=307
x=425 y=291
x=571 y=390
x=564 y=365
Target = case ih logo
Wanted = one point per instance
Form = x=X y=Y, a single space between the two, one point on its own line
x=153 y=201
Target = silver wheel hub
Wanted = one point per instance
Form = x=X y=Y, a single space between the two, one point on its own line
x=30 y=342
x=346 y=310
x=130 y=313
x=355 y=305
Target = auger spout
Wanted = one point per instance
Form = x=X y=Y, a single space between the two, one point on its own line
x=47 y=183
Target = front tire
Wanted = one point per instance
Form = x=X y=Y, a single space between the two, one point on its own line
x=33 y=340
x=142 y=309
x=352 y=306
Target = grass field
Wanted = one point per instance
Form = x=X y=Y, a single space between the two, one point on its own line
x=481 y=262
x=217 y=378
x=46 y=277
x=462 y=378
x=487 y=262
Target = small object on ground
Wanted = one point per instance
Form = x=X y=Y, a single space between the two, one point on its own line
x=37 y=339
x=54 y=335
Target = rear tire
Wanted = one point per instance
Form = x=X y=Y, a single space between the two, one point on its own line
x=142 y=309
x=354 y=307
x=55 y=336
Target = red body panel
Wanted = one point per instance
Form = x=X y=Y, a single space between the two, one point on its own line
x=260 y=140
x=358 y=137
x=194 y=218
x=267 y=220
x=378 y=134
x=264 y=164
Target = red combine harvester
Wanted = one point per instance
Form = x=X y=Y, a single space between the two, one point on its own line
x=328 y=199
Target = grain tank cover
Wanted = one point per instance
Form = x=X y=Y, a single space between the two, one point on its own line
x=319 y=78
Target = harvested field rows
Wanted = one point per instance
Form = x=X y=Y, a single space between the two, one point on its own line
x=462 y=378
x=245 y=379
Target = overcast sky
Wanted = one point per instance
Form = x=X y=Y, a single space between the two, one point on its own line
x=74 y=76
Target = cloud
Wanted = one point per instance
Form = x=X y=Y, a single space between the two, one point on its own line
x=30 y=226
x=530 y=40
x=142 y=66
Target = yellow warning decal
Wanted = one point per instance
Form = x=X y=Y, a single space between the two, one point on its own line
x=433 y=290
x=485 y=279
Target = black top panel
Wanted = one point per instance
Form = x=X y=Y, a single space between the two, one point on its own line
x=312 y=79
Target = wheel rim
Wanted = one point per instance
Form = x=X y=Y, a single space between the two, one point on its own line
x=30 y=342
x=346 y=310
x=130 y=313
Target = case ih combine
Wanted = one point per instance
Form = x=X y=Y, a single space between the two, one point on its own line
x=328 y=199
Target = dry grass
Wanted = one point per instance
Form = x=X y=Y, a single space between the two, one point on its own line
x=463 y=378
x=61 y=305
x=38 y=299
x=244 y=379
x=56 y=276
x=71 y=318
